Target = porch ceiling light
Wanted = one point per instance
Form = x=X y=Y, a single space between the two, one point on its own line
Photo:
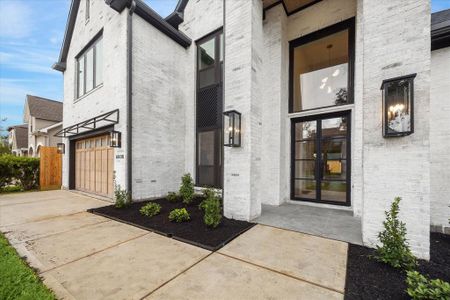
x=115 y=140
x=398 y=106
x=232 y=128
x=61 y=148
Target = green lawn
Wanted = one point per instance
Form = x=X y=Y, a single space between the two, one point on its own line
x=17 y=279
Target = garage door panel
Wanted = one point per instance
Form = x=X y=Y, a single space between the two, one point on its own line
x=94 y=166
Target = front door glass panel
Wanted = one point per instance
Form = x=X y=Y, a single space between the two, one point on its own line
x=321 y=155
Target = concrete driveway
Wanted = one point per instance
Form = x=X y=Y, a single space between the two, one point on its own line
x=84 y=256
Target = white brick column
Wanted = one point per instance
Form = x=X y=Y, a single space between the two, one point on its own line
x=396 y=42
x=274 y=104
x=242 y=91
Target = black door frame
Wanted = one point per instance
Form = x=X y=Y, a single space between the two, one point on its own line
x=319 y=166
x=218 y=149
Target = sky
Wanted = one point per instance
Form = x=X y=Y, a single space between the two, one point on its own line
x=31 y=34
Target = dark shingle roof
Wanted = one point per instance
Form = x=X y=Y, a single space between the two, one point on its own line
x=440 y=17
x=440 y=29
x=45 y=109
x=21 y=133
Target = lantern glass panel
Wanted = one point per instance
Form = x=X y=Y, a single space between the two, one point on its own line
x=237 y=129
x=398 y=107
x=61 y=148
x=115 y=139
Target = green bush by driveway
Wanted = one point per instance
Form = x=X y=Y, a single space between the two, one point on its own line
x=21 y=170
x=17 y=279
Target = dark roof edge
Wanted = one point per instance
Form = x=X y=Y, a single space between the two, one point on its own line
x=71 y=19
x=440 y=38
x=142 y=9
x=177 y=16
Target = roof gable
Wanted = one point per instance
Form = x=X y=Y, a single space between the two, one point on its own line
x=45 y=109
x=167 y=26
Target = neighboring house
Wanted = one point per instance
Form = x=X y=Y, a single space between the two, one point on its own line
x=18 y=139
x=305 y=76
x=44 y=119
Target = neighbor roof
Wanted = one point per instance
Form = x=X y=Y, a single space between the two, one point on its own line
x=167 y=26
x=440 y=29
x=21 y=134
x=45 y=109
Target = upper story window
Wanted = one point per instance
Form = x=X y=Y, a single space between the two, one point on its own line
x=322 y=68
x=90 y=68
x=210 y=60
x=88 y=10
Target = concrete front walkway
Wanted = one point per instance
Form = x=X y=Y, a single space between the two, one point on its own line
x=83 y=256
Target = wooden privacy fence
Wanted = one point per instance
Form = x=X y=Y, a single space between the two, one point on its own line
x=50 y=168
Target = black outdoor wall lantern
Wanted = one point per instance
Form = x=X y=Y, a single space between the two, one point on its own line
x=115 y=140
x=232 y=128
x=61 y=148
x=398 y=106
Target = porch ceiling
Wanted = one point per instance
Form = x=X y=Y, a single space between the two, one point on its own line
x=290 y=6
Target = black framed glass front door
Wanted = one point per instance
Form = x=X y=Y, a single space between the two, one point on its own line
x=320 y=167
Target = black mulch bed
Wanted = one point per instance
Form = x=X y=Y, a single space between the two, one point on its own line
x=194 y=232
x=369 y=279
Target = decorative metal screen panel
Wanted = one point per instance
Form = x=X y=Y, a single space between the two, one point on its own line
x=209 y=107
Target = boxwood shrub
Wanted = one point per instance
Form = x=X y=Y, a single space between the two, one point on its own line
x=150 y=209
x=179 y=215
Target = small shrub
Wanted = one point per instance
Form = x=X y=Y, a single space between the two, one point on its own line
x=187 y=188
x=172 y=197
x=122 y=197
x=394 y=249
x=179 y=215
x=11 y=189
x=150 y=209
x=211 y=207
x=420 y=287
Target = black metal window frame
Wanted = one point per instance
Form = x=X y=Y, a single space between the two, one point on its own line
x=218 y=76
x=319 y=168
x=83 y=54
x=349 y=25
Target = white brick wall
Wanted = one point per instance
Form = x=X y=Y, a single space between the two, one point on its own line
x=112 y=94
x=243 y=84
x=159 y=100
x=396 y=42
x=274 y=105
x=439 y=139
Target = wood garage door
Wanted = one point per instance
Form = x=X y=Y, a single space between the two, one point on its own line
x=94 y=166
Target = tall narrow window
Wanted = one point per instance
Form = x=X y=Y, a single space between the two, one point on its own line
x=90 y=68
x=88 y=10
x=209 y=111
x=322 y=68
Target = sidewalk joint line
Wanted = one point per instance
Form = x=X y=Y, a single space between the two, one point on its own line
x=95 y=252
x=176 y=276
x=281 y=273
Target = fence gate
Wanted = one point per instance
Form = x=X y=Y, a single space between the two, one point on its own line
x=50 y=169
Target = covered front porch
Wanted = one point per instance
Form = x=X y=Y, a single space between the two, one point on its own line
x=337 y=224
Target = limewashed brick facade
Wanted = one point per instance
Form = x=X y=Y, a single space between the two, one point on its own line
x=392 y=39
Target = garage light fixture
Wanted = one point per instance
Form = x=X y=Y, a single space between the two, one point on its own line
x=115 y=140
x=232 y=128
x=61 y=148
x=398 y=106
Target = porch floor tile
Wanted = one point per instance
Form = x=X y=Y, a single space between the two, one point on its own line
x=306 y=257
x=222 y=277
x=329 y=223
